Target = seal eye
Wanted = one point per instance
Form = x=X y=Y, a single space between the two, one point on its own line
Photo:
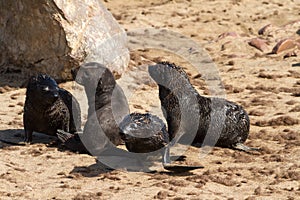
x=46 y=89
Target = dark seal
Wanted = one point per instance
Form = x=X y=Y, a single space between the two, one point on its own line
x=107 y=107
x=108 y=110
x=49 y=108
x=228 y=122
x=143 y=133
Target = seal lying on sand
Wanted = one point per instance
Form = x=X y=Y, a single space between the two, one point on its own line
x=49 y=108
x=143 y=133
x=228 y=122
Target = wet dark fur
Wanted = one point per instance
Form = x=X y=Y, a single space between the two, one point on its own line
x=175 y=87
x=48 y=108
x=105 y=98
x=106 y=112
x=143 y=133
x=107 y=107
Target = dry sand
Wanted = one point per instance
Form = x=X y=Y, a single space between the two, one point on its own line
x=265 y=84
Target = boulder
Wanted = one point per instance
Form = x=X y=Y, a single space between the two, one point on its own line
x=53 y=36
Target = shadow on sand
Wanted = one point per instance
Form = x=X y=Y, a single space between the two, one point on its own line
x=93 y=170
x=15 y=137
x=296 y=65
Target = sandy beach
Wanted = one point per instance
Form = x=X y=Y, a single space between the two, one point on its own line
x=264 y=79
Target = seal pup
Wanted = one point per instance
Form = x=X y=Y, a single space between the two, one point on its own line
x=147 y=134
x=107 y=106
x=226 y=117
x=48 y=108
x=142 y=133
x=105 y=98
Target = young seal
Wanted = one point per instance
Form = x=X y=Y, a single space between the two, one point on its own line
x=107 y=107
x=227 y=118
x=49 y=108
x=147 y=133
x=143 y=133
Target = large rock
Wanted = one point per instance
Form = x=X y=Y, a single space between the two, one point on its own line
x=53 y=36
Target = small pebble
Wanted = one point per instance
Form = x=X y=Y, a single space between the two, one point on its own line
x=283 y=45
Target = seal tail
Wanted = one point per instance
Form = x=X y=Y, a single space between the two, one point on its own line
x=242 y=147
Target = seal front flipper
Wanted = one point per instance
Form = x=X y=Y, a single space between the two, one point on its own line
x=178 y=158
x=180 y=168
x=72 y=141
x=166 y=156
x=242 y=147
x=28 y=136
x=166 y=161
x=64 y=136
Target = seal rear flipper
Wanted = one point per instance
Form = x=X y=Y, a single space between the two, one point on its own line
x=242 y=147
x=117 y=158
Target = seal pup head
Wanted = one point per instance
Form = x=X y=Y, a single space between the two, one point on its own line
x=94 y=77
x=168 y=75
x=143 y=133
x=42 y=89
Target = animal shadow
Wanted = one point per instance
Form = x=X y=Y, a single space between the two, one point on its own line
x=15 y=137
x=92 y=171
x=296 y=65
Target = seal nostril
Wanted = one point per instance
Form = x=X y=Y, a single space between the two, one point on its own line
x=55 y=95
